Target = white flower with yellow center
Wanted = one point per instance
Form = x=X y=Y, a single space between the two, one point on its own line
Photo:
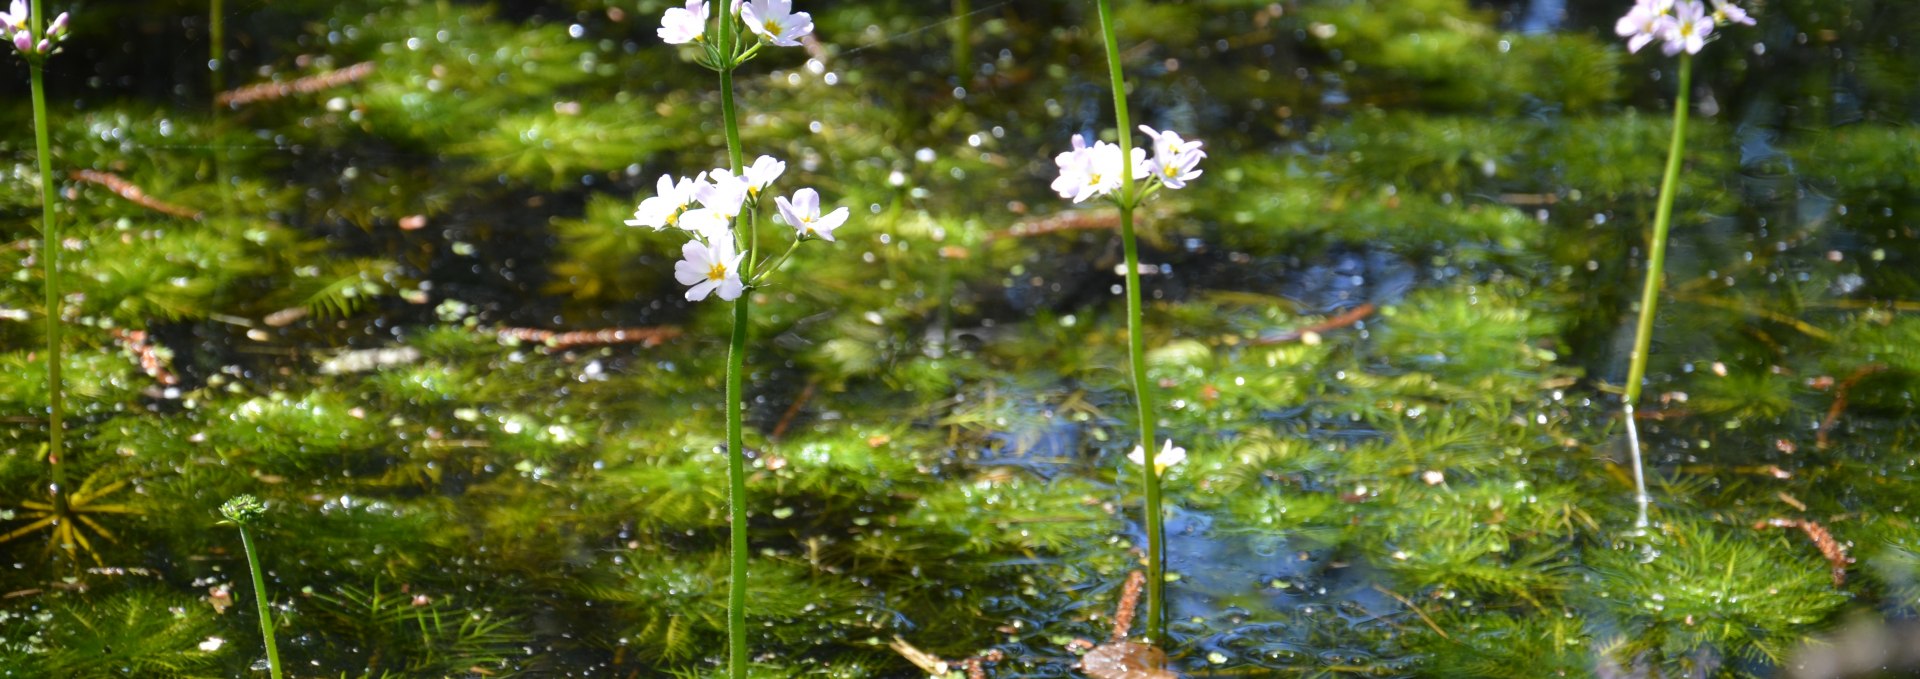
x=680 y=26
x=803 y=214
x=1168 y=456
x=673 y=199
x=709 y=268
x=776 y=22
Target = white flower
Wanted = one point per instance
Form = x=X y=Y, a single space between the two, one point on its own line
x=1725 y=12
x=1088 y=172
x=775 y=21
x=684 y=25
x=212 y=644
x=1689 y=28
x=14 y=20
x=664 y=210
x=803 y=214
x=1167 y=457
x=708 y=268
x=1647 y=20
x=758 y=176
x=1175 y=160
x=762 y=173
x=721 y=200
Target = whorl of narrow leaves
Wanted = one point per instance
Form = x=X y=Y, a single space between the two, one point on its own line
x=243 y=510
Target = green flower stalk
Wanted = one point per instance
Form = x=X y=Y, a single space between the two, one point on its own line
x=1114 y=172
x=1683 y=28
x=722 y=257
x=241 y=512
x=34 y=41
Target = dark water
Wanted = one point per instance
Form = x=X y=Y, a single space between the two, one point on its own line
x=1389 y=325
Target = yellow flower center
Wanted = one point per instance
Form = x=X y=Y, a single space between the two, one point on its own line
x=773 y=28
x=1093 y=180
x=717 y=273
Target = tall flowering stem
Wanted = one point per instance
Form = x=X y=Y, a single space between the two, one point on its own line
x=736 y=392
x=1682 y=28
x=722 y=256
x=1650 y=293
x=50 y=258
x=240 y=512
x=1136 y=340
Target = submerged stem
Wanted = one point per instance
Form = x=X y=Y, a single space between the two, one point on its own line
x=1136 y=341
x=260 y=600
x=736 y=363
x=50 y=258
x=1650 y=293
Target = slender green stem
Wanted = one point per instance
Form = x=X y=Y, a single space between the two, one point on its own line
x=1656 y=263
x=217 y=80
x=1136 y=341
x=767 y=269
x=260 y=600
x=963 y=41
x=736 y=364
x=50 y=258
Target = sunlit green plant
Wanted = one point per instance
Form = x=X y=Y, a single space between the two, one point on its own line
x=1683 y=27
x=1113 y=172
x=722 y=257
x=35 y=40
x=241 y=512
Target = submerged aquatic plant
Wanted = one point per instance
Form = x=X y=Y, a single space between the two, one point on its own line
x=1114 y=171
x=722 y=255
x=242 y=511
x=23 y=26
x=1683 y=27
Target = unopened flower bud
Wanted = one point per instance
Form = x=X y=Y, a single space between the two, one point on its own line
x=58 y=29
x=23 y=42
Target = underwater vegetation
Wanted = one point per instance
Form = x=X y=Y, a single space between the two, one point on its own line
x=374 y=270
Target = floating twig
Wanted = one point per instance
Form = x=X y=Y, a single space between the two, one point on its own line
x=1416 y=610
x=1822 y=437
x=800 y=401
x=148 y=353
x=1830 y=548
x=1347 y=318
x=308 y=85
x=132 y=193
x=646 y=337
x=1129 y=599
x=1071 y=220
x=933 y=665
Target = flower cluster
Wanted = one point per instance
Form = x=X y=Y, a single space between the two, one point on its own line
x=1679 y=25
x=17 y=26
x=708 y=205
x=1096 y=171
x=774 y=21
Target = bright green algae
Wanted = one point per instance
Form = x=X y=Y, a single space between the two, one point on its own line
x=954 y=472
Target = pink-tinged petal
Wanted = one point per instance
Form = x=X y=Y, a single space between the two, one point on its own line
x=807 y=202
x=730 y=288
x=787 y=212
x=1628 y=25
x=830 y=221
x=700 y=292
x=688 y=273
